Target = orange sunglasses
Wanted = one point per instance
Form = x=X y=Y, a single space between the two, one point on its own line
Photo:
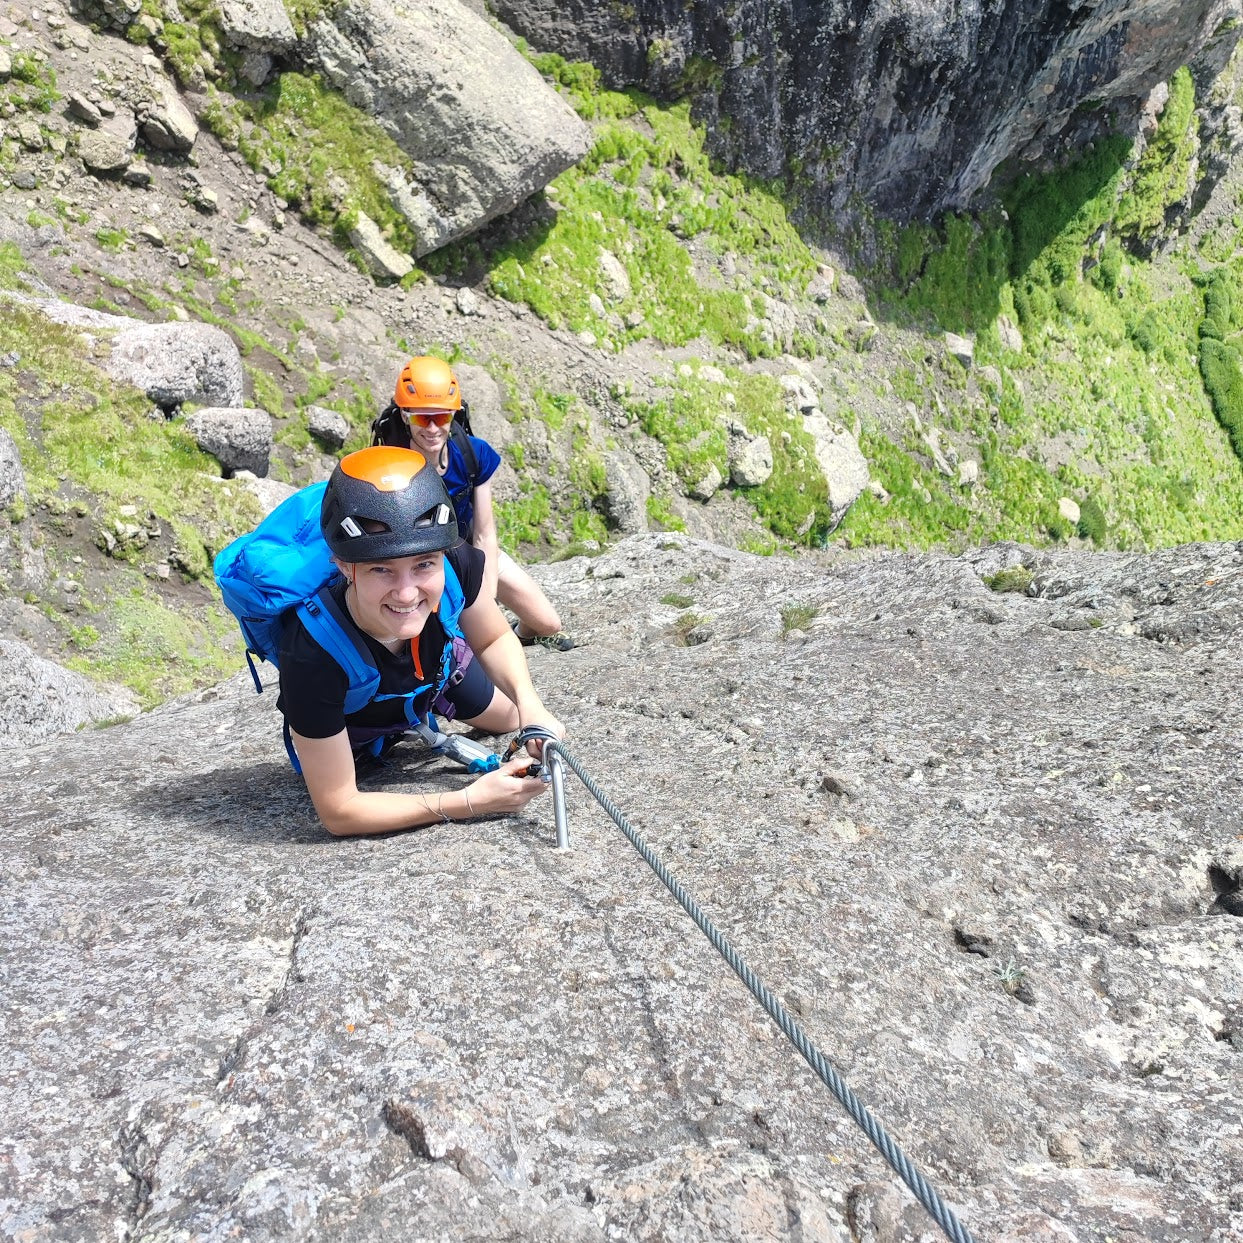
x=441 y=418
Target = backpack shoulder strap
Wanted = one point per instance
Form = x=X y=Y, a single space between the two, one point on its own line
x=469 y=459
x=452 y=602
x=388 y=428
x=325 y=623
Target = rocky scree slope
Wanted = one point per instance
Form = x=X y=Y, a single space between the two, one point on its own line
x=983 y=842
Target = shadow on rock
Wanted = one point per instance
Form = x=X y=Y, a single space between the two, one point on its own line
x=253 y=803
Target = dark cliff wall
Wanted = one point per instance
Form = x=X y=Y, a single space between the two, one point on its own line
x=907 y=108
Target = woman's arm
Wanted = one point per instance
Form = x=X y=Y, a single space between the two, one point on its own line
x=483 y=536
x=346 y=811
x=497 y=649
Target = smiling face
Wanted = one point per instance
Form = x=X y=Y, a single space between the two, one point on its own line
x=429 y=439
x=392 y=600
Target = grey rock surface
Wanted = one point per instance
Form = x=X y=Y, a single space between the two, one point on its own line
x=239 y=437
x=41 y=699
x=106 y=150
x=383 y=260
x=178 y=362
x=166 y=123
x=329 y=426
x=12 y=477
x=483 y=394
x=484 y=130
x=257 y=25
x=983 y=860
x=841 y=461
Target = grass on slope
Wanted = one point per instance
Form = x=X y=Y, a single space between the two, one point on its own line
x=96 y=462
x=1110 y=400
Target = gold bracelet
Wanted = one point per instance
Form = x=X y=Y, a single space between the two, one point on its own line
x=469 y=804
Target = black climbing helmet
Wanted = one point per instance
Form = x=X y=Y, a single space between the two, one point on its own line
x=386 y=502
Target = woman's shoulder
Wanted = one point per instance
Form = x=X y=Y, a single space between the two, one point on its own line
x=297 y=643
x=468 y=564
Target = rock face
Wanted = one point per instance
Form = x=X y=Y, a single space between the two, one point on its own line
x=482 y=127
x=984 y=857
x=42 y=699
x=12 y=477
x=910 y=107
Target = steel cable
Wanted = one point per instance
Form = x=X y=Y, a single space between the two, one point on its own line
x=871 y=1127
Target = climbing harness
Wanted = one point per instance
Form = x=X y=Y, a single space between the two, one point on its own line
x=556 y=758
x=473 y=757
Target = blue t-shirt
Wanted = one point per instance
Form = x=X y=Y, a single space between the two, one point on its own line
x=459 y=488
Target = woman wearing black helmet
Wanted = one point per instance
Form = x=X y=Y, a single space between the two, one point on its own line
x=407 y=585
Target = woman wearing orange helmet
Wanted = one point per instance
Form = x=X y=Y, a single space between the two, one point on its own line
x=408 y=589
x=422 y=417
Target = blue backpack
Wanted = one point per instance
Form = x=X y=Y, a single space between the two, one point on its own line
x=283 y=565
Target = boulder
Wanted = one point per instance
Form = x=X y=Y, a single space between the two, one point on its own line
x=616 y=278
x=12 y=477
x=841 y=462
x=174 y=363
x=382 y=260
x=330 y=427
x=42 y=699
x=6 y=65
x=106 y=151
x=1009 y=335
x=268 y=492
x=1069 y=509
x=961 y=348
x=83 y=109
x=750 y=457
x=240 y=438
x=800 y=393
x=167 y=124
x=705 y=488
x=439 y=70
x=257 y=25
x=627 y=489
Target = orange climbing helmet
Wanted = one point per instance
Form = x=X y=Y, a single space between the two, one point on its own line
x=427 y=383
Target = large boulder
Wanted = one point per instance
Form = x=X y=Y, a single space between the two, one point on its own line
x=12 y=477
x=329 y=427
x=257 y=25
x=240 y=438
x=627 y=488
x=750 y=456
x=107 y=151
x=841 y=461
x=382 y=260
x=166 y=123
x=41 y=698
x=484 y=131
x=174 y=363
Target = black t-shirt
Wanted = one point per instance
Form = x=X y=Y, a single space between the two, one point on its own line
x=313 y=685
